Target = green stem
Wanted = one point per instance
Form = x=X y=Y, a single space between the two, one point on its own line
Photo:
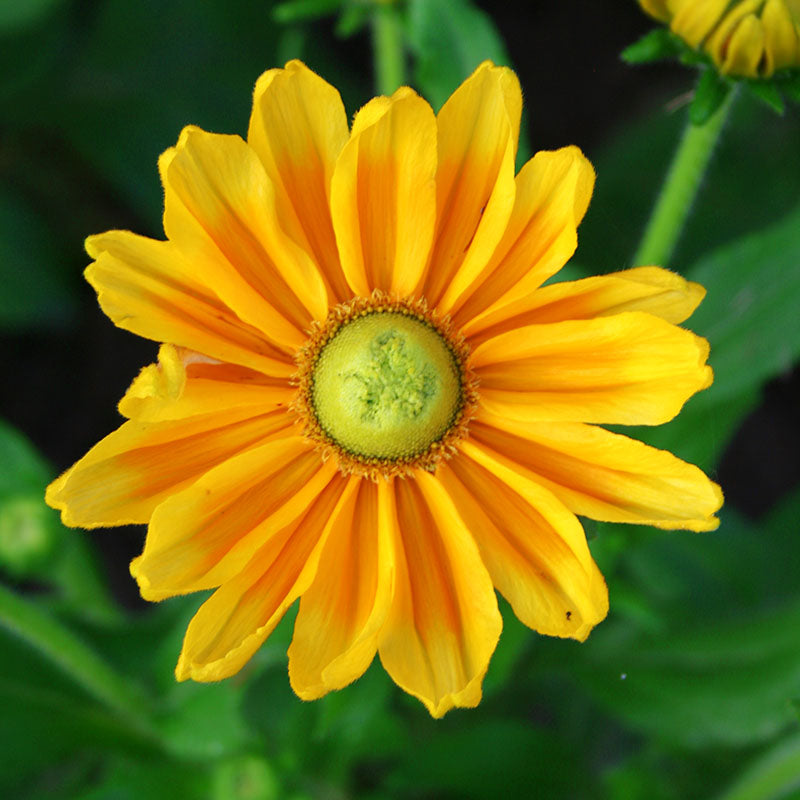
x=73 y=658
x=387 y=45
x=680 y=187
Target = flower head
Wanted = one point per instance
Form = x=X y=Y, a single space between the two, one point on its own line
x=366 y=398
x=744 y=38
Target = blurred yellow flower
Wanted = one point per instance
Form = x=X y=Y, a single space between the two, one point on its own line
x=366 y=399
x=745 y=38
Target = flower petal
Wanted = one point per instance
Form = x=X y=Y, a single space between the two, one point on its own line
x=656 y=8
x=200 y=537
x=125 y=476
x=743 y=50
x=781 y=36
x=148 y=287
x=220 y=209
x=628 y=369
x=183 y=384
x=383 y=194
x=234 y=622
x=298 y=127
x=552 y=194
x=693 y=20
x=478 y=133
x=603 y=475
x=651 y=289
x=534 y=548
x=444 y=623
x=342 y=612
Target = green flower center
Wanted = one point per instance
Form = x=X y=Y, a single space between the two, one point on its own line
x=386 y=386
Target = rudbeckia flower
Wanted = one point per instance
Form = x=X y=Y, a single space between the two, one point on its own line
x=366 y=398
x=745 y=38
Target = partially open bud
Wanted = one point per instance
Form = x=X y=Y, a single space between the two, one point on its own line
x=748 y=38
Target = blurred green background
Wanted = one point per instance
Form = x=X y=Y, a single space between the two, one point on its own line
x=690 y=688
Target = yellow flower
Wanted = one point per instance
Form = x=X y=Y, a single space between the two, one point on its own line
x=745 y=38
x=366 y=398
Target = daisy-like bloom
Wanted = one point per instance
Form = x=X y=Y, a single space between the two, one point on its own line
x=745 y=38
x=367 y=400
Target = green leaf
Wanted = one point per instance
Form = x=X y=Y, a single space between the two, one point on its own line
x=486 y=758
x=24 y=470
x=636 y=779
x=515 y=641
x=653 y=46
x=712 y=684
x=204 y=720
x=771 y=775
x=449 y=38
x=82 y=584
x=30 y=535
x=302 y=10
x=352 y=19
x=701 y=432
x=34 y=544
x=196 y=720
x=723 y=664
x=130 y=779
x=769 y=93
x=277 y=715
x=791 y=85
x=141 y=111
x=709 y=95
x=750 y=313
x=18 y=14
x=246 y=777
x=51 y=720
x=73 y=657
x=329 y=736
x=61 y=717
x=750 y=318
x=742 y=567
x=356 y=723
x=690 y=57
